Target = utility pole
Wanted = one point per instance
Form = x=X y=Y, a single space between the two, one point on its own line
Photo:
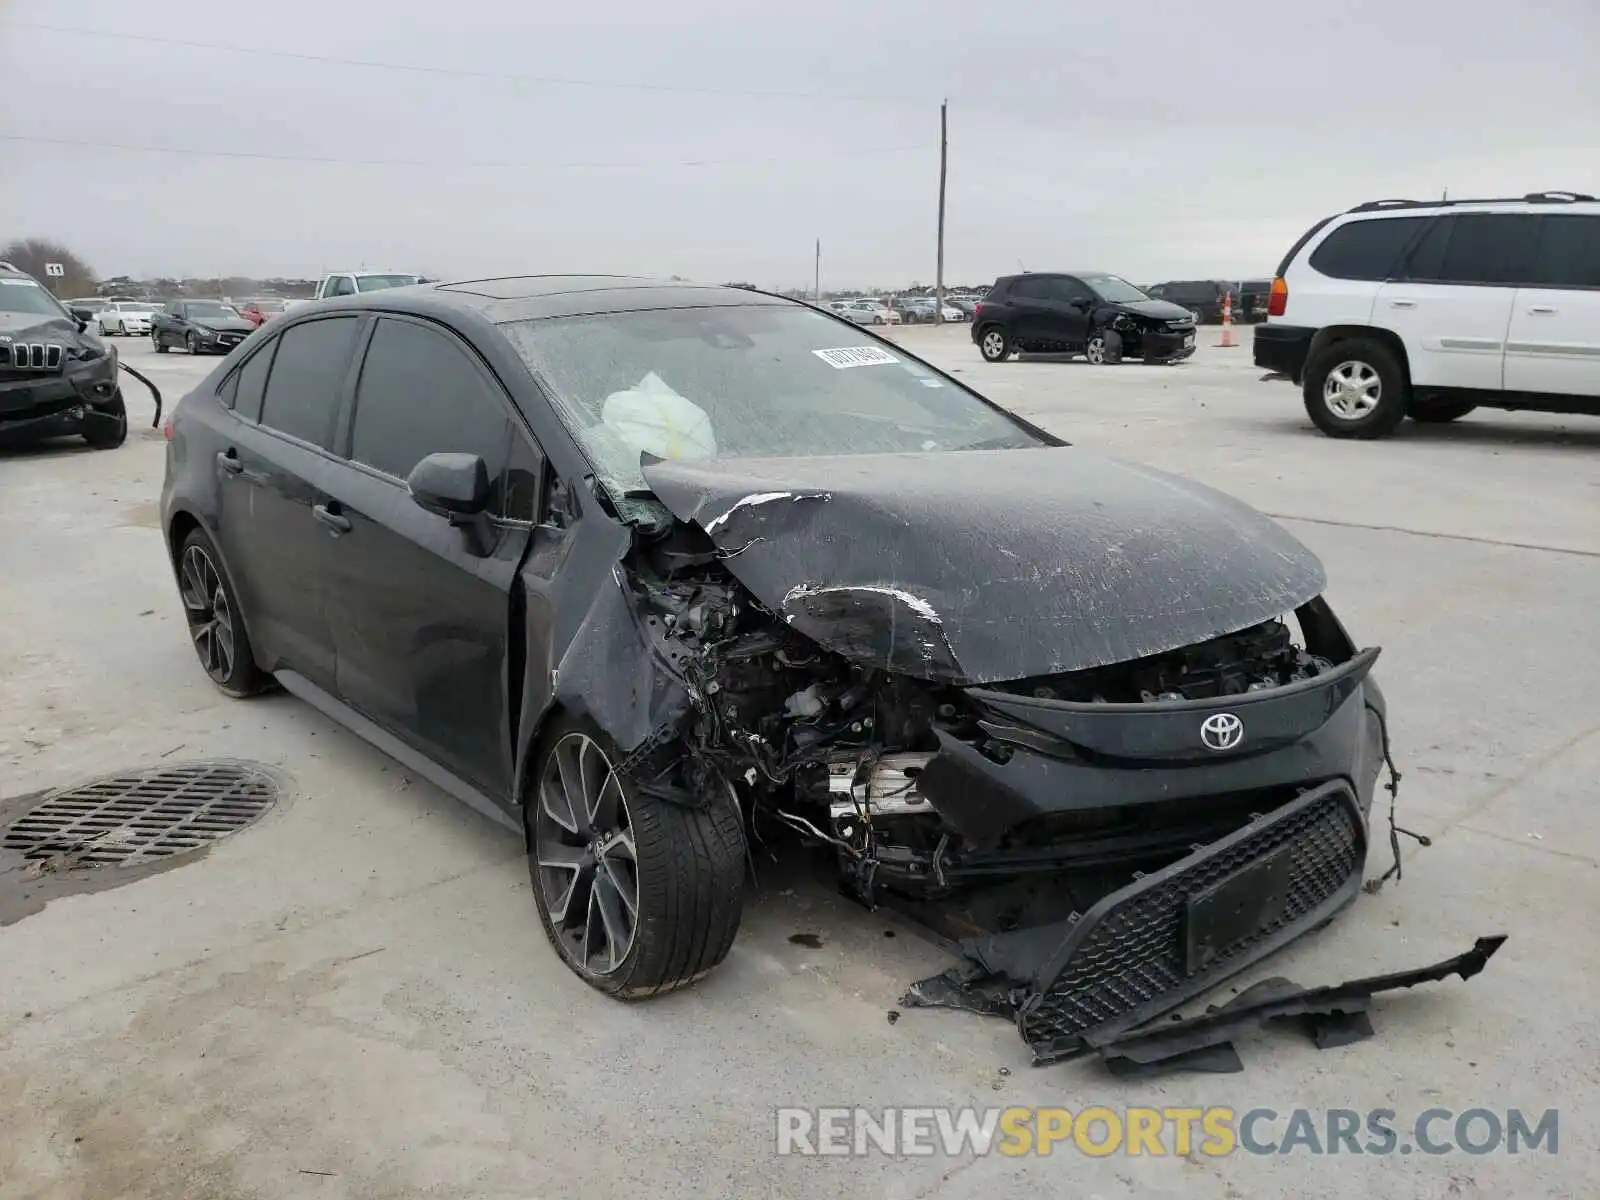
x=816 y=279
x=938 y=276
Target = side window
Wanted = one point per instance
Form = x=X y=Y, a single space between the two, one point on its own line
x=252 y=382
x=1030 y=288
x=420 y=393
x=1070 y=291
x=341 y=285
x=308 y=370
x=1489 y=248
x=1366 y=249
x=172 y=308
x=524 y=471
x=1569 y=253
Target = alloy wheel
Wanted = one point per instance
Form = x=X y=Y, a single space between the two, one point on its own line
x=994 y=344
x=210 y=616
x=585 y=863
x=1352 y=390
x=1095 y=351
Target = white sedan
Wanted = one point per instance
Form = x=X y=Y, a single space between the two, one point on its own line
x=125 y=318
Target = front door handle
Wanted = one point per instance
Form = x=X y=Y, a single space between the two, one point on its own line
x=228 y=460
x=1402 y=304
x=334 y=521
x=1541 y=308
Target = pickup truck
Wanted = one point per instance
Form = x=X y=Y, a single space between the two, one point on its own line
x=199 y=326
x=348 y=283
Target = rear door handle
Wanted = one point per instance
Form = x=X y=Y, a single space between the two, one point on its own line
x=1541 y=308
x=1402 y=304
x=335 y=522
x=228 y=460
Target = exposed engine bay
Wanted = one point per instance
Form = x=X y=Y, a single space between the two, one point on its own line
x=837 y=751
x=1107 y=770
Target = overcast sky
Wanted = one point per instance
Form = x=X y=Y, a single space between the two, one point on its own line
x=718 y=139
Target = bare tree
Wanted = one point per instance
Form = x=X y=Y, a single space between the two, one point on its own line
x=31 y=255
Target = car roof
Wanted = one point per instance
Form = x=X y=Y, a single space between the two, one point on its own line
x=531 y=297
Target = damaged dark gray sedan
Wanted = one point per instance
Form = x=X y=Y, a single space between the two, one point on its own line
x=649 y=570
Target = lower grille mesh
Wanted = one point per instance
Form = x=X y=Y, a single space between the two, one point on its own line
x=1135 y=953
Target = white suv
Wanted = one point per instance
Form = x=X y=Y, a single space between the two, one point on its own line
x=1425 y=309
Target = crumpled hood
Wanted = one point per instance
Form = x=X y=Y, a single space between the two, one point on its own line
x=1157 y=310
x=32 y=327
x=983 y=566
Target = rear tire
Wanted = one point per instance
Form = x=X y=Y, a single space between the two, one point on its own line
x=216 y=625
x=1430 y=411
x=994 y=345
x=1355 y=389
x=592 y=838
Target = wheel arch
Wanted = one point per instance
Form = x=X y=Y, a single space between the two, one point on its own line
x=1332 y=335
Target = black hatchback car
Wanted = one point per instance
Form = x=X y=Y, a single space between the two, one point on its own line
x=642 y=569
x=1090 y=313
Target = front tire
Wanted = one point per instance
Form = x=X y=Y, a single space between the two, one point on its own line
x=1430 y=411
x=638 y=895
x=994 y=345
x=1355 y=389
x=157 y=342
x=191 y=343
x=1104 y=348
x=216 y=626
x=109 y=429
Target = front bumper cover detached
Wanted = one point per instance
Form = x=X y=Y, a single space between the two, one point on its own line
x=1079 y=986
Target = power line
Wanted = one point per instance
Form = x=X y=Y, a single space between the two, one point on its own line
x=468 y=73
x=445 y=166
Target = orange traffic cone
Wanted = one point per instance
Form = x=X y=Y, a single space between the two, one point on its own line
x=1227 y=321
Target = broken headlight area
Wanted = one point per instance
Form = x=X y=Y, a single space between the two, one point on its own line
x=1099 y=845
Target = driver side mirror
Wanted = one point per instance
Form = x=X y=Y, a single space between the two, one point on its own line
x=82 y=314
x=452 y=486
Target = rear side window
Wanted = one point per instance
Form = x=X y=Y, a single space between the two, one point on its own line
x=1032 y=288
x=252 y=382
x=1475 y=248
x=1568 y=255
x=420 y=394
x=1367 y=249
x=307 y=374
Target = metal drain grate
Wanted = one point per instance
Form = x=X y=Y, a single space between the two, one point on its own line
x=123 y=820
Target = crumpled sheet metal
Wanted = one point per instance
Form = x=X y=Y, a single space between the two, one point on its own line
x=989 y=565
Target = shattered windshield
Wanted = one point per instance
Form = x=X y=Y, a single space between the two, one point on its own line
x=746 y=381
x=1118 y=291
x=26 y=296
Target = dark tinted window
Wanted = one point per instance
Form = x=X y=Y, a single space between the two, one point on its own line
x=252 y=383
x=1489 y=248
x=523 y=476
x=307 y=372
x=1031 y=288
x=1365 y=249
x=1073 y=291
x=1569 y=253
x=420 y=393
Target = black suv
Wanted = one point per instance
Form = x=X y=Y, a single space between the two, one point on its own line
x=1202 y=297
x=1099 y=316
x=56 y=379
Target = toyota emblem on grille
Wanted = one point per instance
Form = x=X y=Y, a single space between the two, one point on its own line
x=1221 y=731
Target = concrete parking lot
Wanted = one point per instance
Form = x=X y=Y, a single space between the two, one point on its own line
x=353 y=998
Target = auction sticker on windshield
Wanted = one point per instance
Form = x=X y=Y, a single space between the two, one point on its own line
x=855 y=356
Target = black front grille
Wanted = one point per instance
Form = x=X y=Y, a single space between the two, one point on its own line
x=32 y=356
x=1128 y=959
